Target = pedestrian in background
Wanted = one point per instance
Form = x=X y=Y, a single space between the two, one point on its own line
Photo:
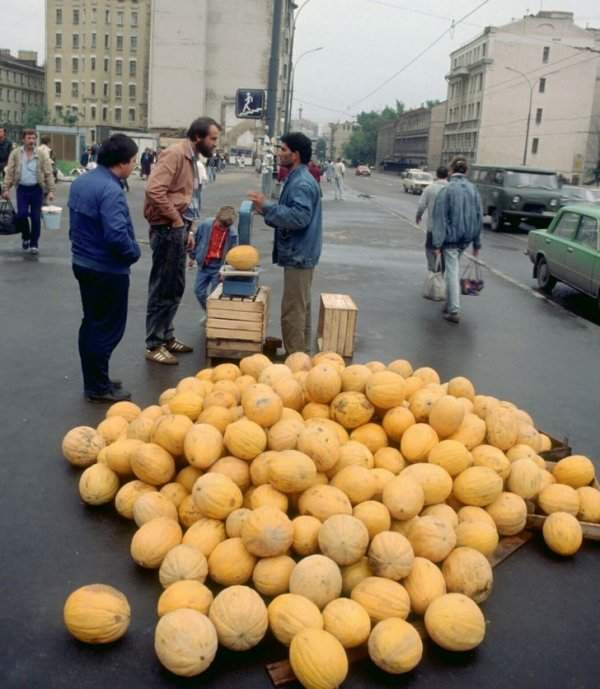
x=297 y=221
x=214 y=237
x=104 y=247
x=172 y=207
x=457 y=222
x=45 y=146
x=315 y=171
x=29 y=169
x=329 y=171
x=426 y=203
x=146 y=160
x=339 y=170
x=212 y=169
x=6 y=146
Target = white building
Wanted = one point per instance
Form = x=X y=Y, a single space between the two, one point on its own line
x=527 y=92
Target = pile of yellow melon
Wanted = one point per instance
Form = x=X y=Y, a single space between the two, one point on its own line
x=336 y=505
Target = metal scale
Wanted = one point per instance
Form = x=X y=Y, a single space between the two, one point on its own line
x=241 y=283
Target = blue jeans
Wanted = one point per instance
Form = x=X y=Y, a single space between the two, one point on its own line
x=29 y=205
x=207 y=279
x=452 y=273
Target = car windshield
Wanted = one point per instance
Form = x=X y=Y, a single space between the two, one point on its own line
x=595 y=195
x=575 y=193
x=538 y=180
x=424 y=177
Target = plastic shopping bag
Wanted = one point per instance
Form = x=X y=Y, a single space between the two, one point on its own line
x=8 y=218
x=434 y=287
x=471 y=282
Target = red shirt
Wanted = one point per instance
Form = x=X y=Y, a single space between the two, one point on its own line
x=216 y=243
x=315 y=171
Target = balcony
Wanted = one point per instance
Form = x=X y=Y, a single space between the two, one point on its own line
x=463 y=71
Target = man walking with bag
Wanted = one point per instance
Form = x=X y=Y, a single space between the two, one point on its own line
x=6 y=147
x=426 y=203
x=457 y=222
x=172 y=207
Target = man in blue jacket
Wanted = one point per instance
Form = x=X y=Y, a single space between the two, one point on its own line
x=104 y=247
x=298 y=238
x=457 y=222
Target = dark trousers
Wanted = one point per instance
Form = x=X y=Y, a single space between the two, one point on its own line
x=167 y=283
x=207 y=278
x=29 y=205
x=104 y=300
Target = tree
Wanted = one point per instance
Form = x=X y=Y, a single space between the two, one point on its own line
x=321 y=149
x=362 y=147
x=37 y=115
x=431 y=103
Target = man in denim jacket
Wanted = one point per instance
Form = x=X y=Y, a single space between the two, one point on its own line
x=457 y=223
x=298 y=238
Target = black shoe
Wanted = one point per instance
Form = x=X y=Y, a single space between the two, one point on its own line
x=26 y=245
x=116 y=384
x=452 y=317
x=110 y=396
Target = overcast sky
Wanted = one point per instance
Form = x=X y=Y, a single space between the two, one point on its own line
x=364 y=43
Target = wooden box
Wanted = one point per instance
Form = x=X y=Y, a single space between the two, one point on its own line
x=236 y=326
x=338 y=316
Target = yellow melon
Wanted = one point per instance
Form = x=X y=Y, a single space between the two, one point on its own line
x=187 y=403
x=127 y=410
x=318 y=659
x=153 y=540
x=183 y=562
x=259 y=468
x=98 y=484
x=469 y=513
x=422 y=401
x=274 y=372
x=219 y=417
x=185 y=594
x=427 y=375
x=230 y=563
x=455 y=622
x=165 y=396
x=356 y=482
x=446 y=415
x=371 y=435
x=306 y=535
x=291 y=393
x=432 y=538
x=502 y=427
x=267 y=532
x=290 y=614
x=424 y=583
x=492 y=457
x=174 y=492
x=477 y=486
x=203 y=445
x=323 y=383
x=188 y=512
x=547 y=479
x=245 y=439
x=271 y=576
x=385 y=389
x=341 y=432
x=353 y=453
x=442 y=511
x=152 y=464
x=323 y=502
x=452 y=456
x=331 y=358
x=354 y=378
x=557 y=497
x=461 y=387
x=321 y=443
x=205 y=374
x=575 y=471
x=141 y=427
x=525 y=478
x=235 y=521
x=151 y=505
x=347 y=621
x=478 y=535
x=243 y=257
x=374 y=515
x=236 y=469
x=187 y=477
x=589 y=504
x=520 y=452
x=240 y=618
x=216 y=496
x=314 y=410
x=262 y=405
x=395 y=646
x=351 y=409
x=291 y=415
x=396 y=421
x=81 y=446
x=545 y=443
x=97 y=614
x=412 y=384
x=402 y=367
x=234 y=387
x=205 y=535
x=389 y=458
x=435 y=481
x=317 y=578
x=118 y=455
x=189 y=384
x=509 y=512
x=344 y=539
x=391 y=555
x=298 y=361
x=128 y=494
x=220 y=398
x=468 y=571
x=291 y=471
x=482 y=404
x=404 y=497
x=382 y=598
x=266 y=495
x=382 y=478
x=185 y=642
x=417 y=442
x=169 y=432
x=254 y=364
x=471 y=433
x=562 y=533
x=355 y=573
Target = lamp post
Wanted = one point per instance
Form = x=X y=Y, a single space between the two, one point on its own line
x=528 y=80
x=304 y=54
x=288 y=104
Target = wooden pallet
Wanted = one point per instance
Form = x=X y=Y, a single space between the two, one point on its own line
x=338 y=317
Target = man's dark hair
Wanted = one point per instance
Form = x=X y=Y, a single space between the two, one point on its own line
x=117 y=149
x=200 y=126
x=299 y=143
x=442 y=172
x=459 y=165
x=45 y=139
x=27 y=132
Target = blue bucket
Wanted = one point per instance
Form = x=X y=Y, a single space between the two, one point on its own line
x=51 y=216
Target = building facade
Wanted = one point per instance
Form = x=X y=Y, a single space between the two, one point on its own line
x=527 y=92
x=414 y=139
x=339 y=135
x=22 y=87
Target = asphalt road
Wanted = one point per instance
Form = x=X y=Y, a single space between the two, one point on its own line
x=543 y=626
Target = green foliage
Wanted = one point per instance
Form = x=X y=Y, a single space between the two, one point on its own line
x=65 y=166
x=36 y=115
x=362 y=147
x=431 y=103
x=321 y=149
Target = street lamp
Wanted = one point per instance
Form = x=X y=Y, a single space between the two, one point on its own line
x=307 y=52
x=288 y=105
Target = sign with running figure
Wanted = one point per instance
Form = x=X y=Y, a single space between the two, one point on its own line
x=250 y=104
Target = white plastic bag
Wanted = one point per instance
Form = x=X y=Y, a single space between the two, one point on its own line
x=434 y=287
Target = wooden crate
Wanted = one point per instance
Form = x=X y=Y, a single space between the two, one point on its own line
x=236 y=326
x=338 y=316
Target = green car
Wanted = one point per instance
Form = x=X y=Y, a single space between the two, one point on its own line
x=568 y=251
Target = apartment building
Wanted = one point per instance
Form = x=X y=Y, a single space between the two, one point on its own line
x=21 y=86
x=527 y=92
x=97 y=63
x=340 y=134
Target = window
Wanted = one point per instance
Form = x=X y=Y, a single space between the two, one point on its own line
x=58 y=110
x=106 y=64
x=117 y=114
x=118 y=91
x=75 y=41
x=535 y=144
x=132 y=68
x=134 y=19
x=538 y=116
x=93 y=46
x=93 y=63
x=588 y=232
x=104 y=113
x=132 y=91
x=76 y=17
x=57 y=89
x=58 y=64
x=567 y=225
x=75 y=65
x=75 y=89
x=542 y=85
x=133 y=43
x=119 y=42
x=107 y=16
x=59 y=16
x=92 y=112
x=107 y=41
x=118 y=67
x=546 y=54
x=477 y=109
x=132 y=114
x=119 y=18
x=92 y=88
x=93 y=15
x=58 y=40
x=105 y=89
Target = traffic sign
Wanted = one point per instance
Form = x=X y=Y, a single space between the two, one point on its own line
x=250 y=104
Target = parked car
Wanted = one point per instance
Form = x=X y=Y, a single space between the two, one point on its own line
x=363 y=171
x=416 y=181
x=570 y=195
x=568 y=251
x=516 y=194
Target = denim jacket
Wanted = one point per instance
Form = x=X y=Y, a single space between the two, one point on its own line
x=297 y=221
x=100 y=227
x=457 y=215
x=203 y=238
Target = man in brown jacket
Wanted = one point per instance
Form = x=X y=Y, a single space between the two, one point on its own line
x=172 y=207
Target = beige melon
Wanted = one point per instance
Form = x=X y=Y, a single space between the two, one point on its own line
x=382 y=598
x=298 y=361
x=472 y=431
x=98 y=484
x=315 y=410
x=452 y=456
x=389 y=458
x=374 y=515
x=402 y=367
x=417 y=442
x=128 y=494
x=469 y=513
x=589 y=504
x=185 y=593
x=520 y=452
x=413 y=383
x=165 y=396
x=284 y=435
x=404 y=497
x=318 y=659
x=153 y=540
x=575 y=471
x=321 y=443
x=391 y=555
x=509 y=512
x=187 y=477
x=183 y=562
x=141 y=427
x=169 y=432
x=395 y=646
x=557 y=497
x=525 y=478
x=236 y=469
x=291 y=393
x=424 y=583
x=97 y=614
x=477 y=486
x=461 y=387
x=547 y=479
x=482 y=404
x=323 y=502
x=185 y=642
x=113 y=428
x=342 y=433
x=291 y=471
x=259 y=468
x=187 y=403
x=271 y=576
x=266 y=496
x=226 y=372
x=355 y=573
x=478 y=535
x=274 y=372
x=230 y=564
x=502 y=428
x=174 y=492
x=234 y=387
x=81 y=446
x=562 y=533
x=267 y=532
x=205 y=535
x=254 y=364
x=242 y=383
x=323 y=383
x=205 y=374
x=492 y=457
x=371 y=435
x=188 y=512
x=455 y=622
x=351 y=409
x=353 y=453
x=152 y=464
x=435 y=481
x=432 y=538
x=235 y=521
x=356 y=482
x=262 y=405
x=317 y=578
x=331 y=358
x=442 y=511
x=220 y=398
x=219 y=417
x=446 y=415
x=203 y=445
x=348 y=621
x=396 y=421
x=189 y=384
x=245 y=439
x=306 y=535
x=344 y=539
x=118 y=455
x=354 y=378
x=427 y=375
x=468 y=571
x=545 y=443
x=240 y=618
x=151 y=505
x=290 y=614
x=216 y=496
x=127 y=410
x=529 y=436
x=382 y=478
x=421 y=402
x=385 y=389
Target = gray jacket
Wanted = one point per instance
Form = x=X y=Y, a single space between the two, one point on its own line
x=427 y=201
